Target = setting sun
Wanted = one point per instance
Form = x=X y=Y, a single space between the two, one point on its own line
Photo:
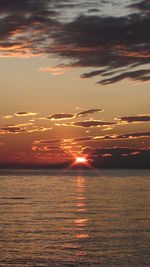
x=81 y=160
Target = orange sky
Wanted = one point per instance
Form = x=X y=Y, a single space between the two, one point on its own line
x=66 y=85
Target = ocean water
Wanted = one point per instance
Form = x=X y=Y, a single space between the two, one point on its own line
x=56 y=218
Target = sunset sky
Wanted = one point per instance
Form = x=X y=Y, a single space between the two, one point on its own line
x=75 y=80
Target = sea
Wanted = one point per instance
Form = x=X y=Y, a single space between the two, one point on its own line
x=74 y=218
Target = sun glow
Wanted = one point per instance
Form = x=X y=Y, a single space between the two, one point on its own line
x=81 y=160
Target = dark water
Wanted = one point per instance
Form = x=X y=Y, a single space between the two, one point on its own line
x=75 y=219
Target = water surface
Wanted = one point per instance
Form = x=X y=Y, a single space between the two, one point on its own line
x=50 y=218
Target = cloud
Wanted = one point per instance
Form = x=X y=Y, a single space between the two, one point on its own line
x=137 y=75
x=26 y=27
x=64 y=116
x=7 y=117
x=118 y=157
x=141 y=6
x=45 y=142
x=116 y=45
x=41 y=129
x=134 y=119
x=23 y=6
x=52 y=157
x=86 y=139
x=21 y=128
x=111 y=44
x=11 y=129
x=112 y=137
x=54 y=70
x=61 y=116
x=54 y=148
x=88 y=111
x=92 y=123
x=25 y=114
x=115 y=151
x=121 y=136
x=47 y=149
x=82 y=139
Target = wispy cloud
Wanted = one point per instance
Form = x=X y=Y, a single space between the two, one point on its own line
x=54 y=70
x=61 y=116
x=65 y=116
x=92 y=123
x=41 y=129
x=23 y=128
x=112 y=137
x=88 y=112
x=134 y=119
x=12 y=129
x=47 y=142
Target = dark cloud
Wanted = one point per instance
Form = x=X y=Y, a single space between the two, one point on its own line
x=114 y=45
x=25 y=113
x=116 y=151
x=14 y=6
x=61 y=116
x=134 y=75
x=88 y=111
x=109 y=43
x=92 y=123
x=141 y=6
x=26 y=26
x=118 y=157
x=137 y=118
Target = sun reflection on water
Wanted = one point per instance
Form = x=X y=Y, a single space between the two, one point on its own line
x=81 y=222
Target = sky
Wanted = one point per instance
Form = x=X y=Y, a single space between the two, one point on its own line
x=75 y=81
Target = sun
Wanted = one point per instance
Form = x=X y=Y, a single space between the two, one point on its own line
x=81 y=160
